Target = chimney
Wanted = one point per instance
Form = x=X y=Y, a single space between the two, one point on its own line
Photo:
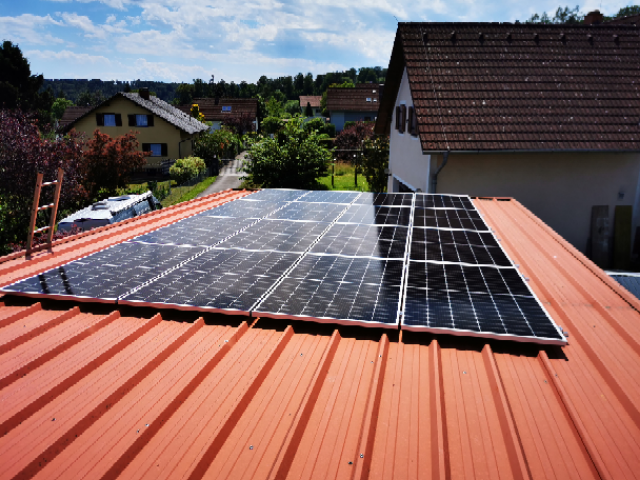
x=144 y=93
x=593 y=18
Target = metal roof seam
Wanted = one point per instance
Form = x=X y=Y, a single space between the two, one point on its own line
x=20 y=315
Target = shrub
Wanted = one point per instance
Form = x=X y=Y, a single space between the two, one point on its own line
x=375 y=161
x=271 y=124
x=186 y=169
x=211 y=147
x=294 y=158
x=330 y=130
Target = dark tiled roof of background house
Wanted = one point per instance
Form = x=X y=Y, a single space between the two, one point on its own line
x=71 y=114
x=354 y=99
x=107 y=391
x=154 y=105
x=212 y=111
x=487 y=86
x=313 y=100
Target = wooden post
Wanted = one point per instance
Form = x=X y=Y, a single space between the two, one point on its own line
x=34 y=211
x=56 y=201
x=356 y=169
x=333 y=172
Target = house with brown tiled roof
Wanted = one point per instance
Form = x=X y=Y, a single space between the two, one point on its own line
x=353 y=104
x=312 y=101
x=163 y=130
x=219 y=110
x=548 y=114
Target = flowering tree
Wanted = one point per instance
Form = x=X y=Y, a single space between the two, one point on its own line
x=351 y=138
x=24 y=153
x=240 y=124
x=195 y=112
x=109 y=162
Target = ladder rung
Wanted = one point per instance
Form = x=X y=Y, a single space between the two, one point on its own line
x=41 y=229
x=46 y=184
x=44 y=207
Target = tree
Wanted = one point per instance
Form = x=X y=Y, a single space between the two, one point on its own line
x=90 y=99
x=184 y=94
x=186 y=169
x=308 y=84
x=351 y=138
x=24 y=153
x=109 y=162
x=214 y=146
x=294 y=158
x=18 y=88
x=375 y=161
x=292 y=107
x=563 y=15
x=195 y=112
x=308 y=111
x=59 y=106
x=240 y=124
x=298 y=84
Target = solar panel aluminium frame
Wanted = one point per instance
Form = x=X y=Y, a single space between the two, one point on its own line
x=471 y=333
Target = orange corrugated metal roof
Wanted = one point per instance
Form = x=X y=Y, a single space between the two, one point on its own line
x=97 y=392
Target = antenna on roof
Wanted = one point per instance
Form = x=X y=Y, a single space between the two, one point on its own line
x=396 y=19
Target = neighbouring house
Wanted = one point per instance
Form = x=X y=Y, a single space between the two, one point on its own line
x=164 y=130
x=353 y=104
x=219 y=110
x=313 y=101
x=547 y=114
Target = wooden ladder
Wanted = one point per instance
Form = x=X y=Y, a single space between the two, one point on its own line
x=37 y=208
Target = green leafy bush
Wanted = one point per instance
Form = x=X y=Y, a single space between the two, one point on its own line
x=186 y=169
x=271 y=124
x=294 y=158
x=375 y=161
x=211 y=147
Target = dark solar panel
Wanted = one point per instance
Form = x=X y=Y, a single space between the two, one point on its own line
x=631 y=283
x=448 y=218
x=198 y=230
x=375 y=215
x=107 y=274
x=387 y=199
x=281 y=235
x=315 y=212
x=276 y=195
x=219 y=279
x=329 y=197
x=363 y=241
x=243 y=209
x=338 y=289
x=425 y=200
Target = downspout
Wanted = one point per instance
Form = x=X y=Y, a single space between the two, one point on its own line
x=434 y=180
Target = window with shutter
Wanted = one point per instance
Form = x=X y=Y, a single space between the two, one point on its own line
x=164 y=149
x=100 y=119
x=398 y=117
x=132 y=120
x=414 y=122
x=146 y=147
x=118 y=120
x=403 y=118
x=150 y=120
x=141 y=120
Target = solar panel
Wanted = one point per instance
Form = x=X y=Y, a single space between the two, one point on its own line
x=338 y=289
x=426 y=200
x=329 y=197
x=363 y=241
x=107 y=274
x=243 y=209
x=316 y=212
x=388 y=199
x=197 y=230
x=280 y=235
x=376 y=215
x=225 y=280
x=448 y=218
x=276 y=195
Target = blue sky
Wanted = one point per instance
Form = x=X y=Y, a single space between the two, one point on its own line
x=179 y=40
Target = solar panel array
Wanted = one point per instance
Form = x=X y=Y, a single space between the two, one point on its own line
x=425 y=262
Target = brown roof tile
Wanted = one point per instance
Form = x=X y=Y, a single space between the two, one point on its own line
x=549 y=93
x=354 y=99
x=71 y=114
x=116 y=392
x=313 y=100
x=212 y=111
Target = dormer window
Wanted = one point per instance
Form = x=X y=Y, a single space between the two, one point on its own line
x=226 y=109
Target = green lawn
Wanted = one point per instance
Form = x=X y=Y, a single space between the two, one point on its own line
x=178 y=194
x=344 y=179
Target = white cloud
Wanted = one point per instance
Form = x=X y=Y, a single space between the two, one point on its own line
x=28 y=28
x=67 y=56
x=91 y=30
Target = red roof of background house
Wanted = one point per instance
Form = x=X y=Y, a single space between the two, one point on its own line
x=99 y=391
x=489 y=86
x=354 y=99
x=212 y=111
x=313 y=100
x=71 y=114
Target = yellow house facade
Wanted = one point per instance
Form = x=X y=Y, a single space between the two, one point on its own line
x=162 y=129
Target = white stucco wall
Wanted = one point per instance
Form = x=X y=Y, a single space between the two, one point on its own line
x=560 y=188
x=406 y=161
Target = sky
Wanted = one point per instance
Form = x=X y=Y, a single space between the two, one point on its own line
x=179 y=40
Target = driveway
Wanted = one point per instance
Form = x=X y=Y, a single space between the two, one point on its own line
x=229 y=176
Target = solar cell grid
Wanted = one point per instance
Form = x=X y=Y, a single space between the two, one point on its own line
x=331 y=288
x=281 y=235
x=219 y=279
x=108 y=273
x=449 y=218
x=315 y=212
x=276 y=195
x=364 y=241
x=198 y=230
x=243 y=209
x=386 y=199
x=376 y=215
x=329 y=197
x=443 y=201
